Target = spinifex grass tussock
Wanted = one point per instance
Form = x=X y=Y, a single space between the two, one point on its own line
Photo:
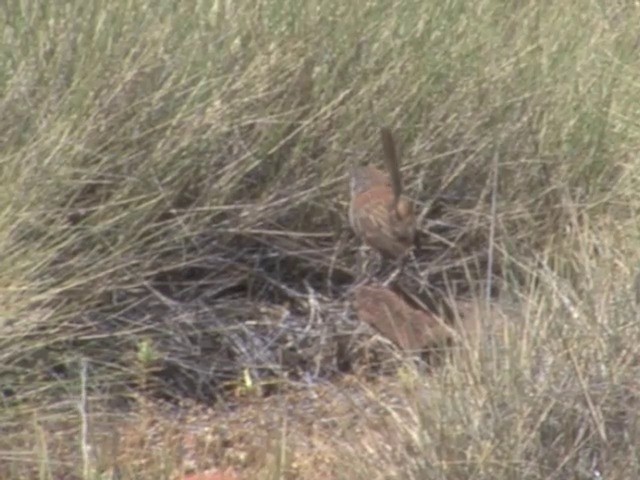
x=173 y=195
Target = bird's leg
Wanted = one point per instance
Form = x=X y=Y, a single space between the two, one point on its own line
x=360 y=264
x=433 y=296
x=367 y=263
x=392 y=277
x=375 y=264
x=415 y=267
x=398 y=266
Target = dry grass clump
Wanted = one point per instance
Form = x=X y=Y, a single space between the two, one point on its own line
x=173 y=210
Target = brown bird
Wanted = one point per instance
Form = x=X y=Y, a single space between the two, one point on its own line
x=401 y=316
x=379 y=214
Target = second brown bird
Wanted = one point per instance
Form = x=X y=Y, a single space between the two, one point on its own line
x=379 y=214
